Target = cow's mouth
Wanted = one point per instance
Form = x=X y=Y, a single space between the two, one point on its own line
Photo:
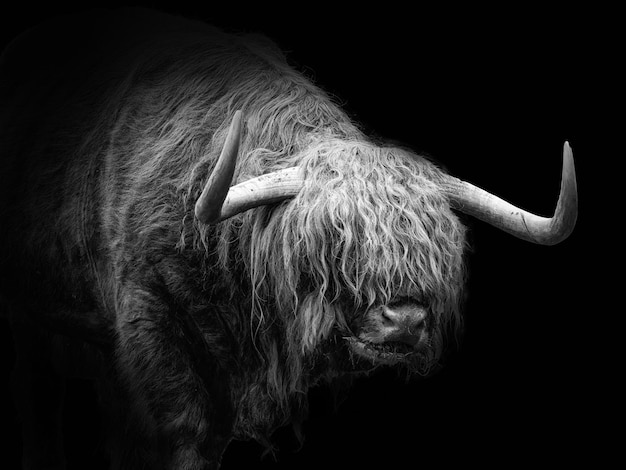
x=381 y=353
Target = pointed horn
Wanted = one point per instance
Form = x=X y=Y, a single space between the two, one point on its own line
x=477 y=202
x=209 y=204
x=263 y=190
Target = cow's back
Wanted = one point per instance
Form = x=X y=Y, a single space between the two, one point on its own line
x=54 y=81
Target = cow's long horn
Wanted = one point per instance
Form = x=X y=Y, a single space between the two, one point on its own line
x=474 y=201
x=209 y=204
x=262 y=190
x=219 y=201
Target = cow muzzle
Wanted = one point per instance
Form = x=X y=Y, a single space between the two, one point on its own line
x=392 y=333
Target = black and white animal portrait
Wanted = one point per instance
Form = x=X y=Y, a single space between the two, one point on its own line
x=215 y=242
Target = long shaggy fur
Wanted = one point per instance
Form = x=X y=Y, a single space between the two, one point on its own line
x=369 y=226
x=272 y=289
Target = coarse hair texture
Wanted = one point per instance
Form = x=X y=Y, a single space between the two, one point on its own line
x=369 y=227
x=370 y=224
x=130 y=143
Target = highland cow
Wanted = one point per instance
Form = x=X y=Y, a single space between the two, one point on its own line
x=206 y=310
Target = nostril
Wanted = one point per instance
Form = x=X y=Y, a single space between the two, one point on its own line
x=387 y=317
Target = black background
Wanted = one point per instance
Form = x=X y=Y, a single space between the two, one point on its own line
x=492 y=94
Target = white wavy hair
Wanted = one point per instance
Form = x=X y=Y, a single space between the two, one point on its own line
x=370 y=224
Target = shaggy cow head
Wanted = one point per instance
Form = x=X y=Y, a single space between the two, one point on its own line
x=369 y=245
x=368 y=252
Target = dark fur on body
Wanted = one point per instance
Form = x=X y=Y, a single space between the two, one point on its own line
x=208 y=332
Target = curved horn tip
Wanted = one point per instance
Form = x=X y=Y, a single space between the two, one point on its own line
x=569 y=170
x=208 y=206
x=568 y=155
x=566 y=211
x=237 y=116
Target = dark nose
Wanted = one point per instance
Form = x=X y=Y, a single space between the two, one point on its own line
x=404 y=323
